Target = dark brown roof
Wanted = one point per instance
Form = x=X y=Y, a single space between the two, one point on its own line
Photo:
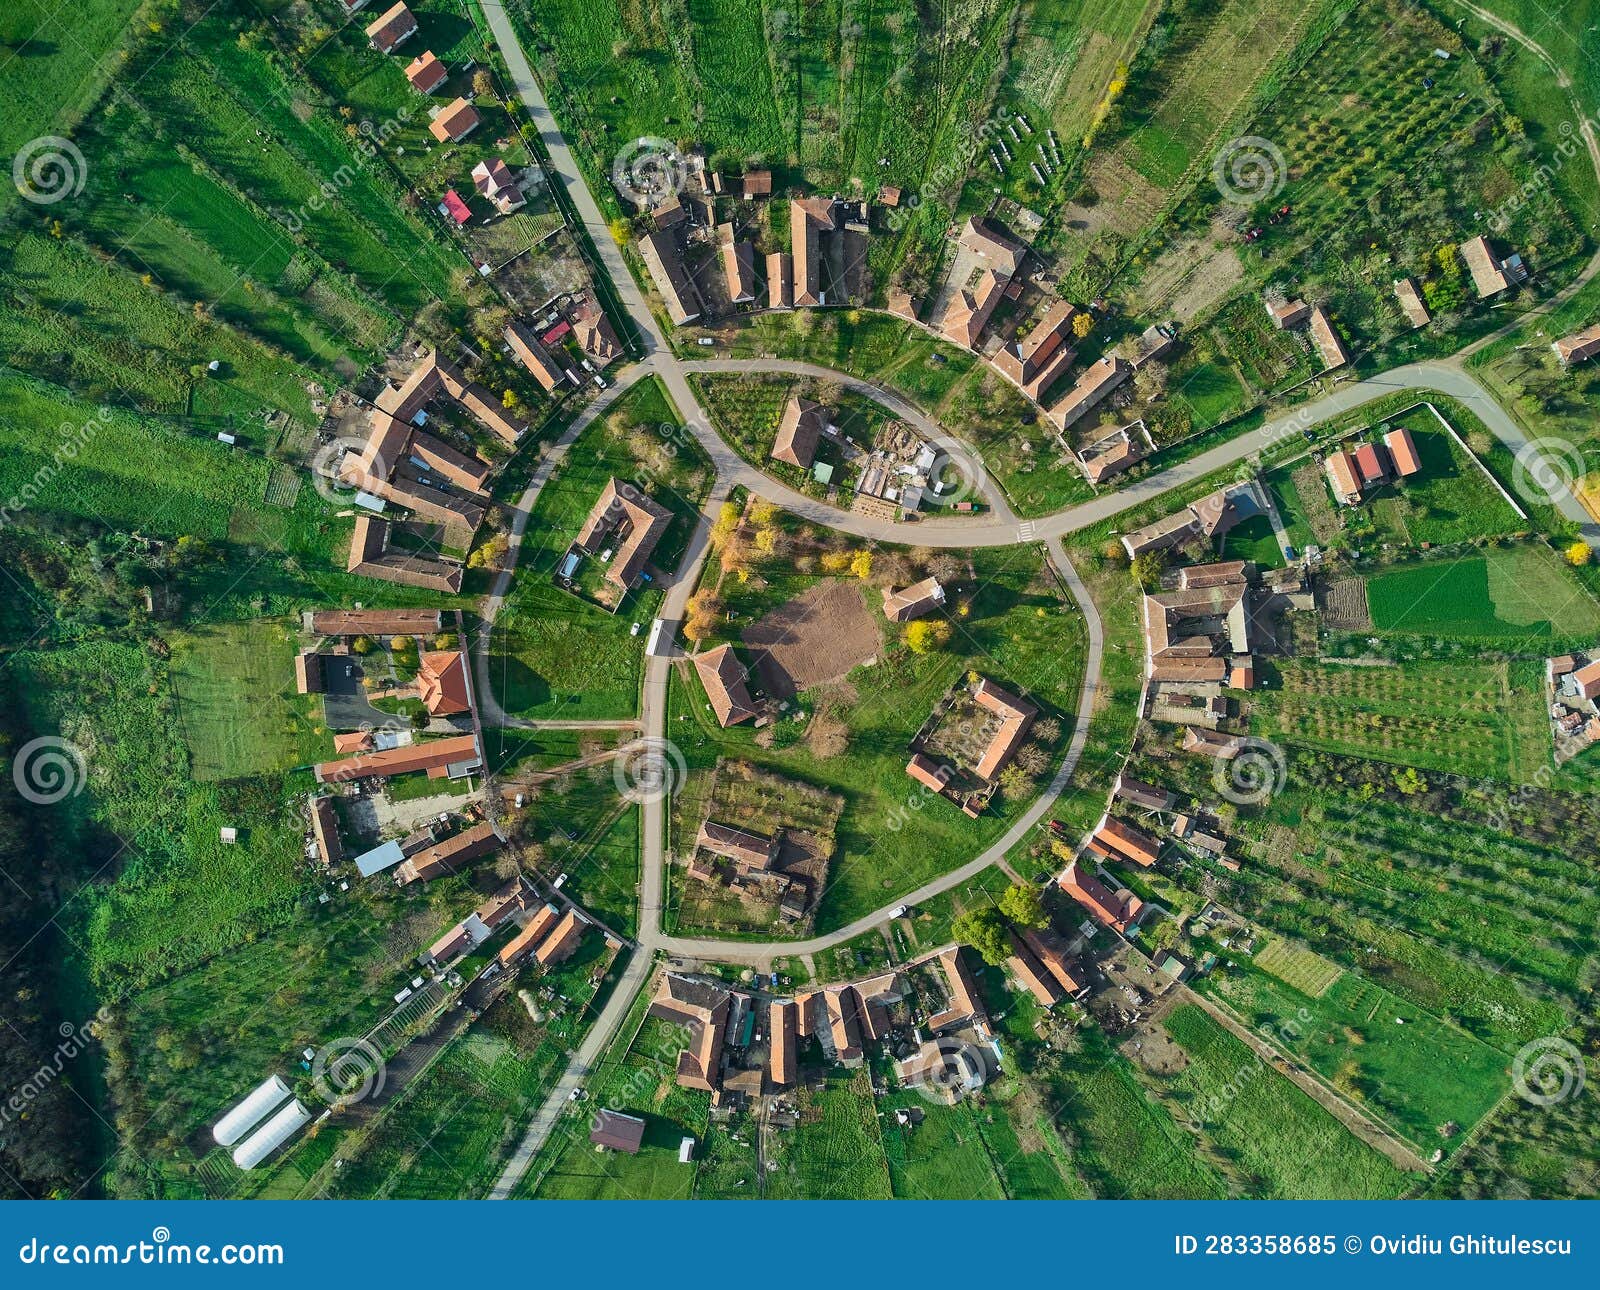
x=617 y=1132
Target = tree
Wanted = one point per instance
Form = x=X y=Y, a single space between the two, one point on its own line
x=1146 y=567
x=1023 y=904
x=861 y=564
x=363 y=645
x=482 y=83
x=835 y=561
x=621 y=231
x=1015 y=782
x=703 y=612
x=1409 y=782
x=985 y=930
x=1579 y=554
x=926 y=635
x=727 y=523
x=1082 y=324
x=768 y=540
x=763 y=513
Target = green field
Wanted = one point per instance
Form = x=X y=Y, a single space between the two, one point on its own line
x=1286 y=1145
x=1519 y=594
x=1462 y=717
x=836 y=1152
x=237 y=706
x=1404 y=1066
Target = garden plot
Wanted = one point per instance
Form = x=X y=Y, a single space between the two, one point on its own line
x=820 y=636
x=1304 y=969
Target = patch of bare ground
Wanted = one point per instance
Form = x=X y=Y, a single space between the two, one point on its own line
x=816 y=638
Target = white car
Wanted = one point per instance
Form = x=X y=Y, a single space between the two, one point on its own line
x=705 y=340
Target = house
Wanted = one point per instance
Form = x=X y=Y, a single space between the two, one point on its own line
x=961 y=994
x=1287 y=314
x=703 y=1007
x=388 y=32
x=532 y=354
x=1411 y=302
x=1402 y=451
x=493 y=179
x=375 y=622
x=624 y=515
x=352 y=7
x=453 y=756
x=593 y=332
x=659 y=251
x=723 y=677
x=1026 y=968
x=927 y=772
x=1579 y=347
x=993 y=260
x=1148 y=796
x=442 y=683
x=751 y=852
x=370 y=557
x=1015 y=714
x=1490 y=274
x=915 y=601
x=1123 y=448
x=454 y=209
x=325 y=829
x=780 y=281
x=1330 y=349
x=1127 y=842
x=757 y=183
x=1047 y=947
x=1587 y=680
x=1341 y=472
x=1211 y=517
x=1191 y=633
x=840 y=1003
x=809 y=218
x=799 y=432
x=1096 y=382
x=1370 y=468
x=1034 y=363
x=462 y=848
x=426 y=73
x=1210 y=743
x=1171 y=967
x=738 y=265
x=615 y=1131
x=530 y=935
x=1155 y=342
x=562 y=941
x=308 y=673
x=1118 y=910
x=782 y=1068
x=455 y=122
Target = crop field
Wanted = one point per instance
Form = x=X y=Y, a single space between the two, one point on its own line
x=1520 y=594
x=1017 y=630
x=1440 y=716
x=1288 y=1146
x=1414 y=1072
x=1301 y=969
x=836 y=1151
x=124 y=340
x=553 y=654
x=237 y=706
x=1474 y=924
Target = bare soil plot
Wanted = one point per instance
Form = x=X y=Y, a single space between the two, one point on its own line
x=819 y=636
x=1344 y=605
